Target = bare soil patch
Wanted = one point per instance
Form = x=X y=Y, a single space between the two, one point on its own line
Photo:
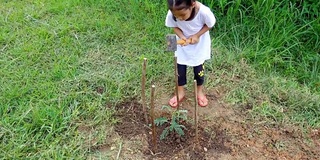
x=182 y=147
x=225 y=132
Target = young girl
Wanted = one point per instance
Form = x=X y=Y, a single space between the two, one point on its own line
x=191 y=22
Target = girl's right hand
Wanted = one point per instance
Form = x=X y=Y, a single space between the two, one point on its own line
x=194 y=39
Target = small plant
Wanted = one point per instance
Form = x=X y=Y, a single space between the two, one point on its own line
x=176 y=117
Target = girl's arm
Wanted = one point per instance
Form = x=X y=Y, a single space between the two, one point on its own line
x=195 y=38
x=179 y=33
x=204 y=29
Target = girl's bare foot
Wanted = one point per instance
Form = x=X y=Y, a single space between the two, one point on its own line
x=173 y=101
x=202 y=99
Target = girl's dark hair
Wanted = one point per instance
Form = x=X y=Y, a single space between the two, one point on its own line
x=180 y=4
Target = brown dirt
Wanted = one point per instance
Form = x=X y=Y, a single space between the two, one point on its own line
x=185 y=147
x=225 y=132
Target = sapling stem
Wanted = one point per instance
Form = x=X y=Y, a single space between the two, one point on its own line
x=152 y=119
x=176 y=80
x=196 y=109
x=143 y=89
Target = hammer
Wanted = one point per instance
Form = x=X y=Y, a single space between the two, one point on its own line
x=172 y=42
x=172 y=46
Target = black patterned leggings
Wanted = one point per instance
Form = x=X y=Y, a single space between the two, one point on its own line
x=198 y=72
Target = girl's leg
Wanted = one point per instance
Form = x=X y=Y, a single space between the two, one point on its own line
x=182 y=80
x=199 y=76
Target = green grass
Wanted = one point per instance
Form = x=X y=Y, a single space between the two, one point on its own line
x=271 y=97
x=280 y=36
x=55 y=55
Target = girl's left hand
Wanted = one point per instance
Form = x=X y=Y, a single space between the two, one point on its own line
x=194 y=39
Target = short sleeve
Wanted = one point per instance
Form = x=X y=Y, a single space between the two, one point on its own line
x=209 y=19
x=170 y=21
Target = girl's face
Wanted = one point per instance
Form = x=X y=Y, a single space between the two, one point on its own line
x=183 y=14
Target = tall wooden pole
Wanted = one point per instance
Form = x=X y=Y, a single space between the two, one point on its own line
x=196 y=109
x=143 y=89
x=176 y=80
x=154 y=141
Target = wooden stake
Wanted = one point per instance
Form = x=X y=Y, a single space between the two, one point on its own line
x=143 y=89
x=196 y=109
x=154 y=141
x=176 y=80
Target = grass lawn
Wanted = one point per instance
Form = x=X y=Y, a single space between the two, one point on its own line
x=63 y=62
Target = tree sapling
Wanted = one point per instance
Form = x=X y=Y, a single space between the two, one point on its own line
x=176 y=117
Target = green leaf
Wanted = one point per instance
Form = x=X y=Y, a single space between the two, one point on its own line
x=179 y=130
x=166 y=107
x=182 y=114
x=164 y=133
x=182 y=126
x=183 y=117
x=183 y=111
x=173 y=125
x=160 y=121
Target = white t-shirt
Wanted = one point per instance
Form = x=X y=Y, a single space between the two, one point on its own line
x=194 y=54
